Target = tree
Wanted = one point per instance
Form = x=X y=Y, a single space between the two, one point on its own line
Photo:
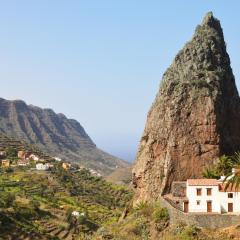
x=35 y=204
x=210 y=173
x=7 y=199
x=225 y=165
x=11 y=152
x=236 y=158
x=232 y=180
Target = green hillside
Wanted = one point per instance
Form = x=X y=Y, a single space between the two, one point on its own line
x=39 y=204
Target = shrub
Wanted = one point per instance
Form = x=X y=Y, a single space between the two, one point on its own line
x=11 y=152
x=6 y=199
x=188 y=233
x=140 y=206
x=35 y=204
x=160 y=214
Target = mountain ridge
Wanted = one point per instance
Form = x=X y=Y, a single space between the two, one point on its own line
x=55 y=134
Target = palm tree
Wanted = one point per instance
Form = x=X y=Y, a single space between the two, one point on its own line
x=236 y=158
x=225 y=165
x=232 y=179
x=210 y=173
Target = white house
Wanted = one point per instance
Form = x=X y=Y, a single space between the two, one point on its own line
x=34 y=157
x=23 y=162
x=42 y=167
x=2 y=153
x=57 y=159
x=211 y=196
x=77 y=214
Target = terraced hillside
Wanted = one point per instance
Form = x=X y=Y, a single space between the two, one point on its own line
x=9 y=142
x=39 y=204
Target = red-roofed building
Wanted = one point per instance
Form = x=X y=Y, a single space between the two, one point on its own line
x=202 y=182
x=206 y=196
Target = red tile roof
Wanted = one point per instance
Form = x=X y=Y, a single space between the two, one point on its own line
x=202 y=182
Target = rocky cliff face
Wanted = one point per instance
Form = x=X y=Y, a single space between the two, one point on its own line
x=54 y=134
x=194 y=118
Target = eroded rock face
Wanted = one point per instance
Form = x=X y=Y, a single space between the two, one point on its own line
x=54 y=134
x=194 y=118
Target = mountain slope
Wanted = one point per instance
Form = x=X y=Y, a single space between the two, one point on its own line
x=195 y=117
x=38 y=204
x=55 y=134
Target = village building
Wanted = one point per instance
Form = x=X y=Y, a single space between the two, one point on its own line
x=66 y=166
x=23 y=154
x=5 y=163
x=205 y=196
x=57 y=159
x=95 y=173
x=75 y=214
x=3 y=153
x=42 y=167
x=23 y=162
x=34 y=157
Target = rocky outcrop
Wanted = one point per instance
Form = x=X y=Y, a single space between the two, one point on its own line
x=194 y=118
x=54 y=134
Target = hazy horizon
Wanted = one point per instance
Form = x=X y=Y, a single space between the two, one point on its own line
x=101 y=62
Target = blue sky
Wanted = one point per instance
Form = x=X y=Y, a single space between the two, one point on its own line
x=101 y=62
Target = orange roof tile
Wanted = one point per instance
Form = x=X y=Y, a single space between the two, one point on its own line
x=202 y=182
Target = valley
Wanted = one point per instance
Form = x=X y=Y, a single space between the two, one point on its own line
x=39 y=204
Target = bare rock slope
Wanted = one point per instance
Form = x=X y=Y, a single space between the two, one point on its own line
x=194 y=118
x=55 y=134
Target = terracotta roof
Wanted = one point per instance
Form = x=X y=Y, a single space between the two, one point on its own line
x=202 y=182
x=230 y=188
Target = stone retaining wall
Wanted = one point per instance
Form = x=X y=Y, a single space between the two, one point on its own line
x=211 y=221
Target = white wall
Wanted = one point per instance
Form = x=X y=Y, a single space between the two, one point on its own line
x=225 y=200
x=219 y=200
x=193 y=198
x=41 y=166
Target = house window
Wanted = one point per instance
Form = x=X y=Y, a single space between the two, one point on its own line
x=198 y=202
x=230 y=195
x=199 y=191
x=209 y=191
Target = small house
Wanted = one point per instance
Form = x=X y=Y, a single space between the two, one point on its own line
x=42 y=167
x=205 y=196
x=3 y=154
x=5 y=163
x=23 y=162
x=57 y=159
x=21 y=154
x=75 y=214
x=66 y=166
x=211 y=196
x=34 y=157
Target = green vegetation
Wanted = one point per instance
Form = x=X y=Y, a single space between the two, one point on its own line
x=141 y=222
x=11 y=152
x=223 y=166
x=39 y=204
